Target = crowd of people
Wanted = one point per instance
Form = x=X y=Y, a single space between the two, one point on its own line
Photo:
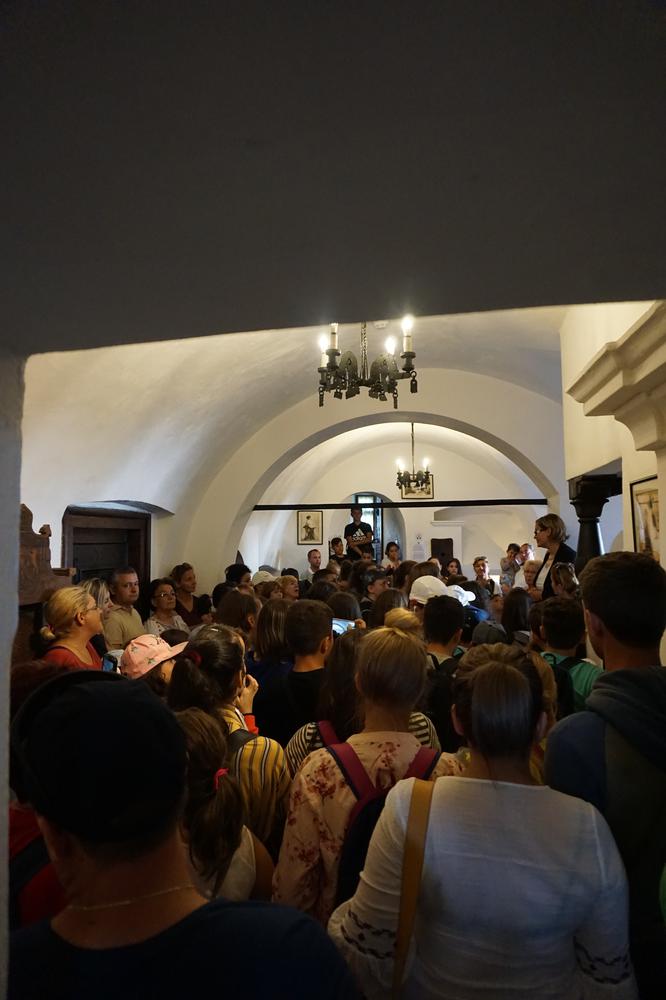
x=358 y=780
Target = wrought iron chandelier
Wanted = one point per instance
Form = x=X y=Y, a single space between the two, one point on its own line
x=340 y=373
x=416 y=479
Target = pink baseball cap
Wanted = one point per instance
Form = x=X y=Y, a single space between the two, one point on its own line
x=144 y=653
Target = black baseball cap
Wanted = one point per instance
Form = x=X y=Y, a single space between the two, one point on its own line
x=99 y=755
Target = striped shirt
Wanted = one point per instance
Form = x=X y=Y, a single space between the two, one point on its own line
x=308 y=738
x=261 y=769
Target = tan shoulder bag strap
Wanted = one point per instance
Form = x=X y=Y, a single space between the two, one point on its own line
x=412 y=867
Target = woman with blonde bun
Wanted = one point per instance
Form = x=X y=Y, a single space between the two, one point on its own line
x=73 y=618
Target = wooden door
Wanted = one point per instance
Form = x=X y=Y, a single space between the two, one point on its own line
x=95 y=542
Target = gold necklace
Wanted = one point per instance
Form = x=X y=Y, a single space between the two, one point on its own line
x=127 y=902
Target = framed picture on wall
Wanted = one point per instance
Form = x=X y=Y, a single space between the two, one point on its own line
x=426 y=492
x=645 y=516
x=310 y=527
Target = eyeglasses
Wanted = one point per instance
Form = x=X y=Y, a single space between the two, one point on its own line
x=165 y=593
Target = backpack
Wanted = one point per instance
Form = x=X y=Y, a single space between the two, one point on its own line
x=565 y=689
x=238 y=739
x=367 y=810
x=327 y=733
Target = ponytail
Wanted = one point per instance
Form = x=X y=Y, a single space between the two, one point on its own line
x=498 y=706
x=205 y=672
x=213 y=814
x=61 y=610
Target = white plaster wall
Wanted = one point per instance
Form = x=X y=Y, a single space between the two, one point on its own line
x=523 y=426
x=591 y=443
x=363 y=460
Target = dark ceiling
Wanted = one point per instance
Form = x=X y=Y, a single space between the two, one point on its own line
x=180 y=168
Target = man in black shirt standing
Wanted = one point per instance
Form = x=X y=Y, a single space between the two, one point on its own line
x=358 y=535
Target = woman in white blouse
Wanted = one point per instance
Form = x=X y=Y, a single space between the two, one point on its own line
x=163 y=603
x=523 y=892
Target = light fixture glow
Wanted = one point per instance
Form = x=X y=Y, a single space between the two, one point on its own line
x=401 y=465
x=418 y=482
x=342 y=372
x=406 y=323
x=323 y=343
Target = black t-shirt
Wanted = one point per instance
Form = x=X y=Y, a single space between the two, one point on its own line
x=439 y=695
x=353 y=532
x=287 y=703
x=248 y=950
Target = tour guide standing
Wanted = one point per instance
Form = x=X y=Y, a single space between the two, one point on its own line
x=358 y=535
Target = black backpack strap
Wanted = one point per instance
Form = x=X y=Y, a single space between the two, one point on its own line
x=568 y=662
x=22 y=869
x=238 y=739
x=353 y=771
x=423 y=764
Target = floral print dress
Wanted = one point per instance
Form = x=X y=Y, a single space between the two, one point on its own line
x=320 y=805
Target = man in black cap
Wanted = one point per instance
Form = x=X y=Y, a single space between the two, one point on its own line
x=102 y=761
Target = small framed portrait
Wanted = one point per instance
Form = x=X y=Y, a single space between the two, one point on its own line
x=423 y=492
x=645 y=516
x=310 y=527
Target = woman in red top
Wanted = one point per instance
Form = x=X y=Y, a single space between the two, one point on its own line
x=73 y=619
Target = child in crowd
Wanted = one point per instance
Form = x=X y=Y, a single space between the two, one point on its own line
x=285 y=704
x=210 y=674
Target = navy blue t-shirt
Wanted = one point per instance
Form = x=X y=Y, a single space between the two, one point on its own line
x=248 y=950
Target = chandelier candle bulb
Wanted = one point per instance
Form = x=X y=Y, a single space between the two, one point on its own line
x=346 y=374
x=407 y=324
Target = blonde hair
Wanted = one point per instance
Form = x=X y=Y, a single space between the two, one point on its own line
x=284 y=580
x=98 y=589
x=392 y=667
x=554 y=524
x=532 y=564
x=61 y=610
x=406 y=621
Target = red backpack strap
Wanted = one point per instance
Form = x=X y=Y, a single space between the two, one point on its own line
x=327 y=733
x=423 y=764
x=353 y=771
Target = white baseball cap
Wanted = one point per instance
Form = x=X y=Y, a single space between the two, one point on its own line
x=426 y=587
x=464 y=596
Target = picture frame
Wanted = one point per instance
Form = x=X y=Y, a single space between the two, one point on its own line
x=426 y=492
x=310 y=527
x=645 y=516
